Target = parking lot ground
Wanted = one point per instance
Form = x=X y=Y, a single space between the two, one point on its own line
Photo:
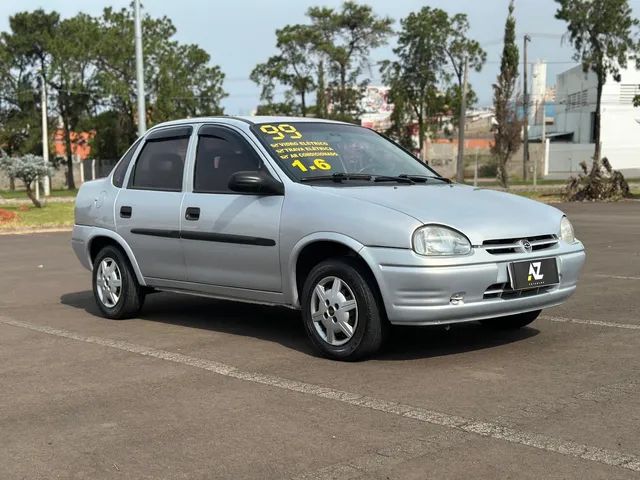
x=199 y=388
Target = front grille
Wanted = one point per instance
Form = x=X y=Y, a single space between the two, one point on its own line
x=504 y=291
x=513 y=245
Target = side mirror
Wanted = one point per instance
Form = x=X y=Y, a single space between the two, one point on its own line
x=255 y=182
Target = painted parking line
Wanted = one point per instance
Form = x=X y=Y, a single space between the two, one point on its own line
x=469 y=425
x=618 y=277
x=597 y=323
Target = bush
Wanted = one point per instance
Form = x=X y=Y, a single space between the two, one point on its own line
x=601 y=183
x=27 y=168
x=488 y=170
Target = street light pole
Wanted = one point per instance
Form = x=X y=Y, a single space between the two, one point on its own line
x=45 y=136
x=525 y=103
x=142 y=121
x=461 y=124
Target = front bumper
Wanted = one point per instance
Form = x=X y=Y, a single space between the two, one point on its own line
x=417 y=290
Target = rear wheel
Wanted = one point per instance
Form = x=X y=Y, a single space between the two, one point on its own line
x=342 y=315
x=115 y=287
x=512 y=322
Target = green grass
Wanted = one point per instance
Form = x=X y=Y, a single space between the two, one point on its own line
x=540 y=196
x=8 y=194
x=28 y=216
x=556 y=195
x=518 y=182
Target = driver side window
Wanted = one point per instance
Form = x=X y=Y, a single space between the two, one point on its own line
x=219 y=155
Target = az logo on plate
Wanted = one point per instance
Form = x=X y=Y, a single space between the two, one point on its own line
x=534 y=271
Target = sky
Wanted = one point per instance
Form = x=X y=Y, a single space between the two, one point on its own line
x=238 y=34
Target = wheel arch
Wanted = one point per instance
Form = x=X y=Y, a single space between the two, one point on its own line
x=317 y=247
x=103 y=237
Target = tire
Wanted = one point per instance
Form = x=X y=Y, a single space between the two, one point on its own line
x=115 y=287
x=360 y=311
x=512 y=322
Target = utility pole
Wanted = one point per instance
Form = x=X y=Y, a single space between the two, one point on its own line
x=543 y=142
x=525 y=104
x=45 y=136
x=142 y=121
x=461 y=123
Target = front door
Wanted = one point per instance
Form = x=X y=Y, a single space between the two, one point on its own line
x=148 y=210
x=229 y=239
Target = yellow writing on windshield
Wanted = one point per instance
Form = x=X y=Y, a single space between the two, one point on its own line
x=278 y=132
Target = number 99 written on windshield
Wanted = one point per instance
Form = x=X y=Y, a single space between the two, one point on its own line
x=278 y=132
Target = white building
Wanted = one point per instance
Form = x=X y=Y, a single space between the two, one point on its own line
x=575 y=120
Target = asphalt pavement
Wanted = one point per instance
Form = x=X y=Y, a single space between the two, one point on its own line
x=198 y=388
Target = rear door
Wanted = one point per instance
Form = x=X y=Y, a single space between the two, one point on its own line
x=230 y=239
x=148 y=209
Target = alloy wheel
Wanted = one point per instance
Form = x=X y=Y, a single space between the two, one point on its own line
x=109 y=282
x=334 y=311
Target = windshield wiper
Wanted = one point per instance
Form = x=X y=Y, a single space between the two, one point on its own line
x=424 y=178
x=390 y=178
x=337 y=177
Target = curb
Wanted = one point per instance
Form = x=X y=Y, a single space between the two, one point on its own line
x=27 y=231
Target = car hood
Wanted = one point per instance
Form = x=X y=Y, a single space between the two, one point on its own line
x=478 y=213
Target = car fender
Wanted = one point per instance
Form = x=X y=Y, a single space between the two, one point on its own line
x=96 y=232
x=299 y=246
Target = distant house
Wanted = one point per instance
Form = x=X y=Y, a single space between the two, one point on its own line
x=80 y=148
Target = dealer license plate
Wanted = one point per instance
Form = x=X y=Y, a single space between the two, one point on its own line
x=533 y=274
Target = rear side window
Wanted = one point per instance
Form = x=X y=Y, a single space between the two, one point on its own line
x=220 y=154
x=121 y=168
x=160 y=165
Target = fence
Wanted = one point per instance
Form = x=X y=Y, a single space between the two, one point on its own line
x=82 y=172
x=91 y=169
x=565 y=158
x=442 y=157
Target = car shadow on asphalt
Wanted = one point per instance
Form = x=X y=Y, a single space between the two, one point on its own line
x=284 y=326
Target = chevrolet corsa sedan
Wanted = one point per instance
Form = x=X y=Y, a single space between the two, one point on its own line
x=326 y=217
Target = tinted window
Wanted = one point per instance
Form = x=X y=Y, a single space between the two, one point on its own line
x=121 y=168
x=160 y=165
x=220 y=154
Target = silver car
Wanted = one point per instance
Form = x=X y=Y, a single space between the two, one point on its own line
x=326 y=217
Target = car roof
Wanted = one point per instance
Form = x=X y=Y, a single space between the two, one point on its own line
x=251 y=120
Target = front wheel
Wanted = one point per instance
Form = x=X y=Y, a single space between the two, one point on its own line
x=512 y=322
x=342 y=315
x=115 y=287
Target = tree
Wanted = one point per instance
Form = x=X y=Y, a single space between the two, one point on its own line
x=72 y=78
x=23 y=55
x=507 y=133
x=602 y=33
x=417 y=76
x=294 y=65
x=345 y=42
x=26 y=168
x=179 y=81
x=89 y=68
x=111 y=137
x=458 y=48
x=20 y=125
x=401 y=120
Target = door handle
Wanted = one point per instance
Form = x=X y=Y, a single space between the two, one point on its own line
x=192 y=213
x=125 y=211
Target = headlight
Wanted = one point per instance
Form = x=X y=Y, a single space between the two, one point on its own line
x=566 y=231
x=440 y=241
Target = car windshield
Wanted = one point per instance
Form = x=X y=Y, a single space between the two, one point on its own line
x=311 y=151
